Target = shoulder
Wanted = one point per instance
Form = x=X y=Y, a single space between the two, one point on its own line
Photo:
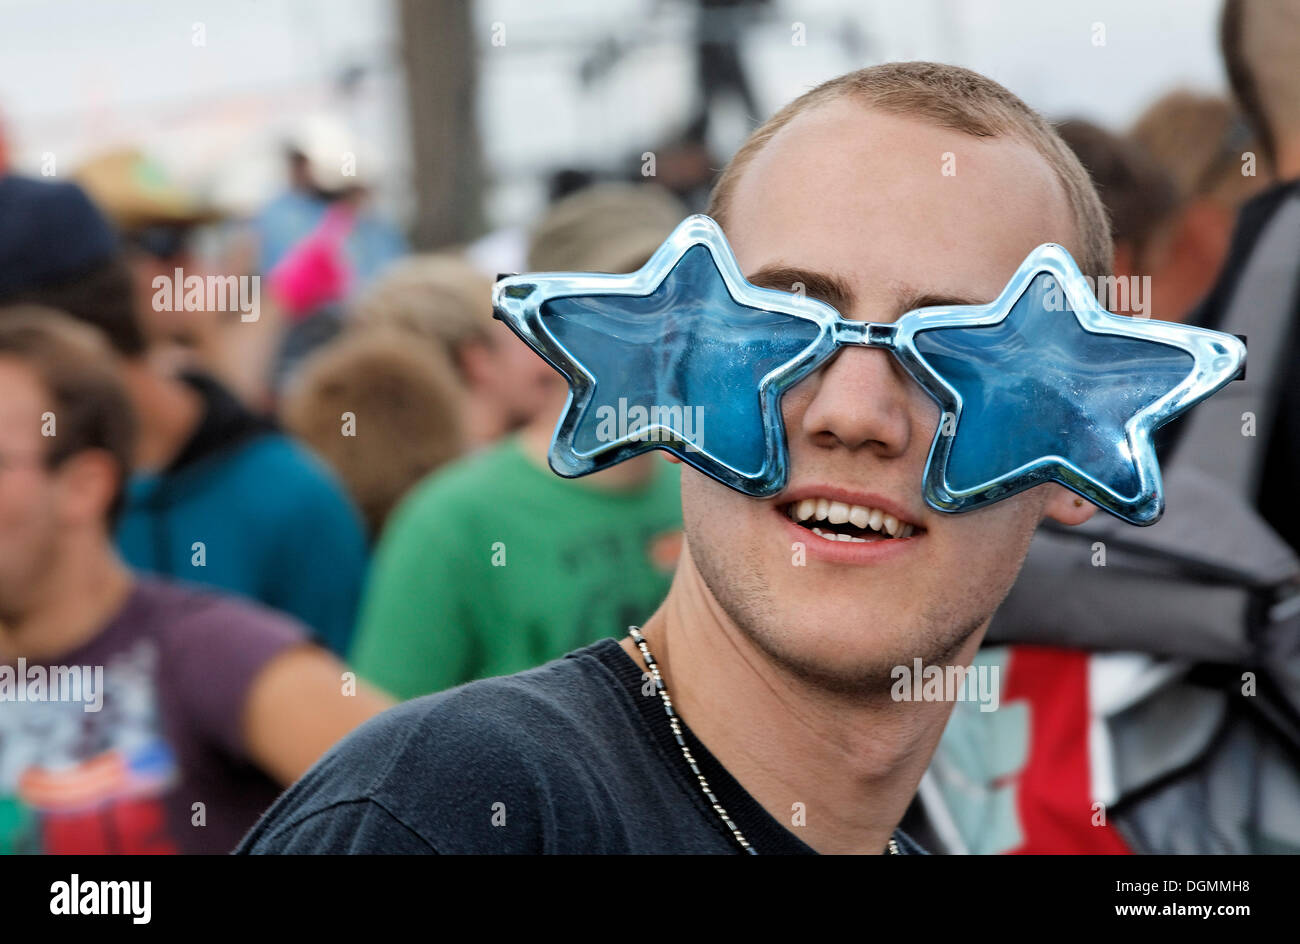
x=211 y=648
x=486 y=733
x=276 y=451
x=182 y=606
x=288 y=201
x=486 y=767
x=288 y=475
x=212 y=625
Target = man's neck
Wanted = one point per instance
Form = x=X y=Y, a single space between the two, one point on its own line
x=84 y=589
x=169 y=411
x=482 y=422
x=851 y=762
x=535 y=440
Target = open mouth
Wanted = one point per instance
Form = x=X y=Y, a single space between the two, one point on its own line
x=840 y=521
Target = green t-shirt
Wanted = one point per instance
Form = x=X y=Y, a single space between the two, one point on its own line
x=493 y=565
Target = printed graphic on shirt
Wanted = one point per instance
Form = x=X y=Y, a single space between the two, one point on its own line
x=73 y=781
x=596 y=566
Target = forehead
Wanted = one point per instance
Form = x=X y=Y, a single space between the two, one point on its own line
x=889 y=204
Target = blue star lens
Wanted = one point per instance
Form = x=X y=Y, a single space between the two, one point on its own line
x=1037 y=387
x=681 y=365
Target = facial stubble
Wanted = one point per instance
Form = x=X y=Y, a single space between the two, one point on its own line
x=938 y=634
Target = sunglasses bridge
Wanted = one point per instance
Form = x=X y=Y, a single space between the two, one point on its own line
x=864 y=334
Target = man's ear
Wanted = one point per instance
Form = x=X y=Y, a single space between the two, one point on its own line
x=89 y=481
x=1066 y=507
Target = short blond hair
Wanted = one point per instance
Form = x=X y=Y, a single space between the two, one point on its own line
x=1199 y=140
x=609 y=227
x=441 y=297
x=404 y=402
x=957 y=99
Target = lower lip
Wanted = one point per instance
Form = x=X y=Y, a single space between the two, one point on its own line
x=848 y=552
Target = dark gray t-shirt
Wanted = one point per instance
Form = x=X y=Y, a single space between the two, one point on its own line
x=566 y=758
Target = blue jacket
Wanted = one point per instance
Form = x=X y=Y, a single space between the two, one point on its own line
x=245 y=508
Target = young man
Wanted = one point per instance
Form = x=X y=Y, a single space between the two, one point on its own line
x=783 y=671
x=219 y=496
x=136 y=716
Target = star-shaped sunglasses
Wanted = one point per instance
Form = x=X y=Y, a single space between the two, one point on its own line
x=1042 y=384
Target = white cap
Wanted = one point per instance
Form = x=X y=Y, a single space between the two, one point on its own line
x=335 y=158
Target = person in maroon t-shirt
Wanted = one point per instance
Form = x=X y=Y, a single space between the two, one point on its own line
x=138 y=716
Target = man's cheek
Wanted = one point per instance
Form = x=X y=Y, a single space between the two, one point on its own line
x=700 y=503
x=967 y=545
x=996 y=539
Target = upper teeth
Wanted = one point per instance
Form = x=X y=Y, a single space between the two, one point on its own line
x=838 y=512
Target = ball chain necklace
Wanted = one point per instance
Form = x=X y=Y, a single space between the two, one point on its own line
x=686 y=751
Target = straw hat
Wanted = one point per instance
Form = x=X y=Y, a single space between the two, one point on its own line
x=136 y=191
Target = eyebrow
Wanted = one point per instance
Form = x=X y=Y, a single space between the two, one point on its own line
x=911 y=300
x=830 y=289
x=836 y=292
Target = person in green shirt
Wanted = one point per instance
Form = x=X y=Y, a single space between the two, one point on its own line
x=495 y=564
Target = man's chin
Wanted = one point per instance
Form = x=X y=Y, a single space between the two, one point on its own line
x=860 y=658
x=814 y=630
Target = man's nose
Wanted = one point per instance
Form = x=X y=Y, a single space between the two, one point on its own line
x=861 y=399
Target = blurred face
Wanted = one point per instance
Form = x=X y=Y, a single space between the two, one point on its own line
x=1182 y=259
x=519 y=381
x=162 y=326
x=29 y=492
x=852 y=203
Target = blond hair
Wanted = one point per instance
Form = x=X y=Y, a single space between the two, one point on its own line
x=1199 y=140
x=957 y=99
x=404 y=403
x=609 y=227
x=440 y=297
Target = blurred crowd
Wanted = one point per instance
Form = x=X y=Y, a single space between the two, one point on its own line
x=275 y=473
